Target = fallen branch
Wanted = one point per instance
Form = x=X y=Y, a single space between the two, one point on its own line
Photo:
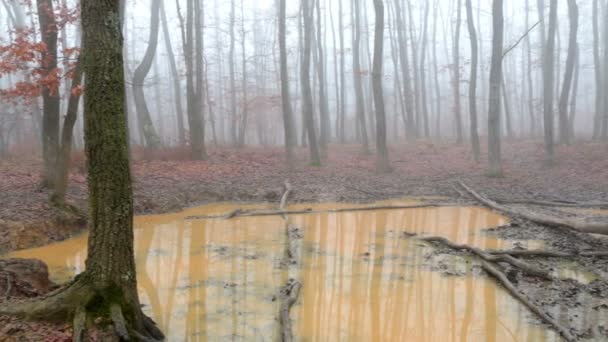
x=559 y=204
x=576 y=224
x=548 y=254
x=288 y=296
x=500 y=277
x=249 y=213
x=505 y=258
x=288 y=190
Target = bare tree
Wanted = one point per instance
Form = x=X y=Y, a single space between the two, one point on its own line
x=473 y=81
x=382 y=161
x=307 y=105
x=50 y=97
x=288 y=121
x=323 y=102
x=548 y=83
x=410 y=126
x=150 y=135
x=564 y=122
x=357 y=74
x=597 y=67
x=456 y=73
x=494 y=136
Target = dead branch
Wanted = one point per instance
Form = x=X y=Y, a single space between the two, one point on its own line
x=505 y=258
x=548 y=254
x=289 y=295
x=288 y=190
x=501 y=278
x=249 y=213
x=576 y=224
x=599 y=205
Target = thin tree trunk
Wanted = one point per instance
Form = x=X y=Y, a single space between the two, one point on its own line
x=288 y=120
x=456 y=73
x=411 y=131
x=51 y=101
x=529 y=74
x=307 y=105
x=574 y=95
x=604 y=131
x=473 y=81
x=323 y=102
x=494 y=136
x=548 y=84
x=597 y=67
x=423 y=85
x=564 y=123
x=382 y=161
x=357 y=75
x=231 y=63
x=151 y=137
x=507 y=105
x=177 y=88
x=245 y=100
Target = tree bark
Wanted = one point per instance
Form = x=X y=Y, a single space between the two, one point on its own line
x=307 y=103
x=288 y=120
x=50 y=97
x=177 y=88
x=63 y=160
x=357 y=75
x=564 y=122
x=548 y=84
x=152 y=139
x=494 y=136
x=456 y=74
x=382 y=161
x=473 y=81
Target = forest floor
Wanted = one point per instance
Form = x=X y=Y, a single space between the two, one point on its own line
x=169 y=182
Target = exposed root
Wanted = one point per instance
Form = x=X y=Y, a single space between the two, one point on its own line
x=575 y=224
x=9 y=286
x=289 y=296
x=523 y=266
x=502 y=278
x=120 y=326
x=246 y=213
x=80 y=319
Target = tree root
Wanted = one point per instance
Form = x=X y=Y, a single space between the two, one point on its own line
x=69 y=303
x=9 y=286
x=288 y=296
x=502 y=278
x=505 y=258
x=575 y=224
x=80 y=319
x=249 y=213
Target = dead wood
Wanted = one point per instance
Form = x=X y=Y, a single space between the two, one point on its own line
x=572 y=223
x=505 y=258
x=288 y=296
x=249 y=213
x=504 y=281
x=559 y=204
x=288 y=190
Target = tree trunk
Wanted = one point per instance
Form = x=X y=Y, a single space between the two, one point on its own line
x=63 y=160
x=245 y=100
x=597 y=67
x=548 y=84
x=50 y=97
x=357 y=76
x=307 y=103
x=288 y=121
x=177 y=88
x=342 y=112
x=231 y=63
x=382 y=161
x=411 y=131
x=494 y=136
x=473 y=81
x=604 y=131
x=108 y=286
x=564 y=123
x=323 y=102
x=197 y=127
x=456 y=74
x=577 y=72
x=507 y=105
x=152 y=139
x=423 y=80
x=529 y=75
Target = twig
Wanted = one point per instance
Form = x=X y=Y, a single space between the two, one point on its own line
x=504 y=54
x=289 y=296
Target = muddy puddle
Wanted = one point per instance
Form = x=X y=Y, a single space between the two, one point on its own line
x=363 y=280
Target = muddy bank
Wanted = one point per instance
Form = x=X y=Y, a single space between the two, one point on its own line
x=170 y=182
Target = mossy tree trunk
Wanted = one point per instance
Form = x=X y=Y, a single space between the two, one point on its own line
x=108 y=286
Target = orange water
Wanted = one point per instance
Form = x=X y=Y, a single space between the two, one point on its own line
x=216 y=279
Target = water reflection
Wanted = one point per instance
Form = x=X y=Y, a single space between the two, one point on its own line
x=216 y=280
